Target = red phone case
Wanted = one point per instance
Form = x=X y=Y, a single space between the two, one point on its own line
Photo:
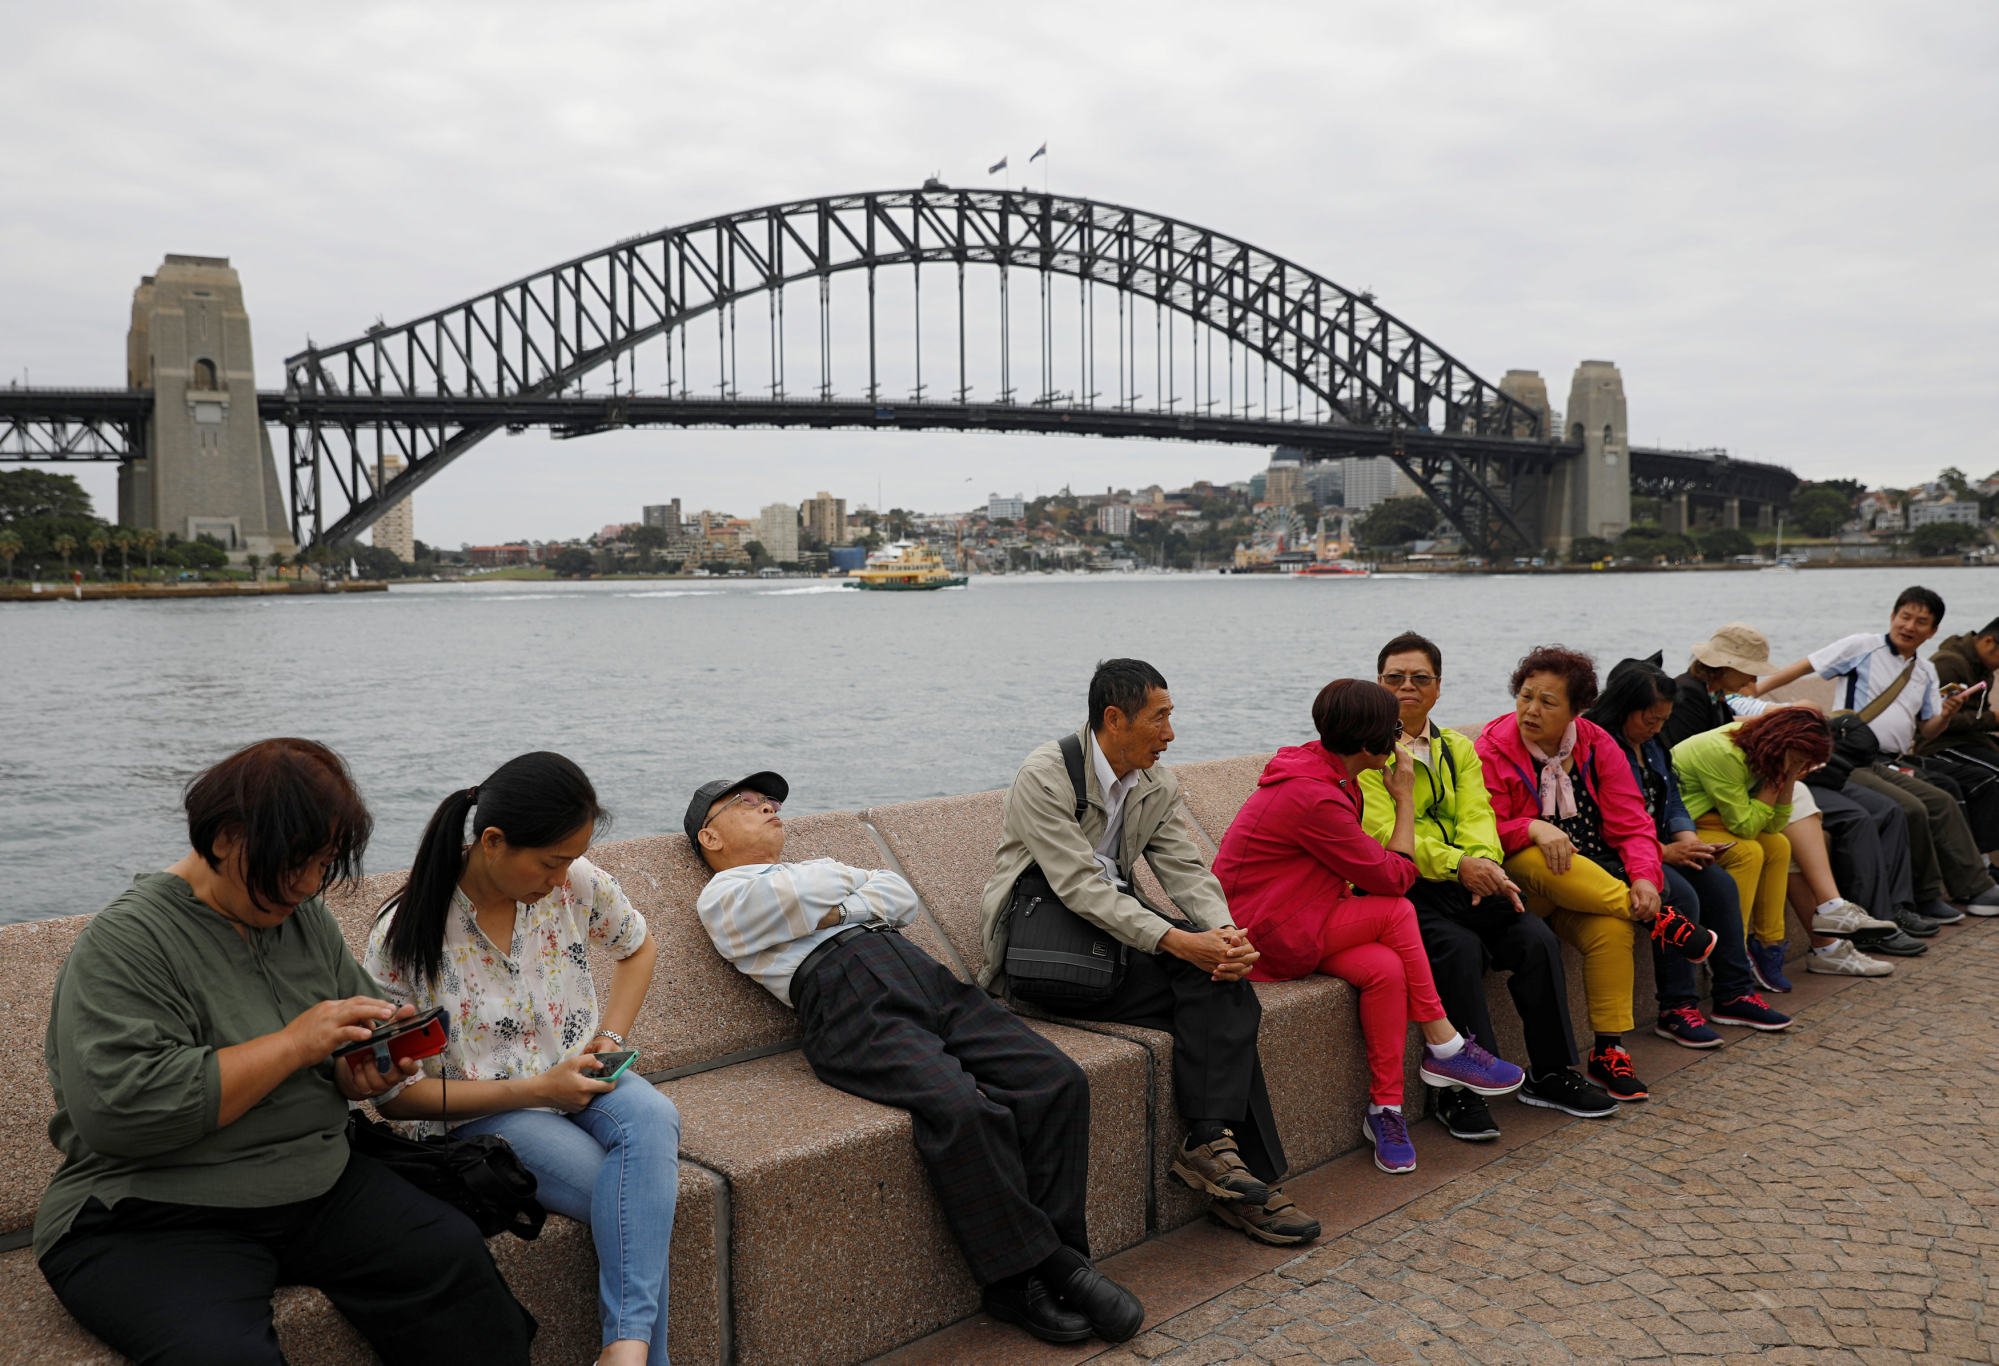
x=421 y=1036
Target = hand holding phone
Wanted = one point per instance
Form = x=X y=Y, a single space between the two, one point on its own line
x=611 y=1066
x=417 y=1036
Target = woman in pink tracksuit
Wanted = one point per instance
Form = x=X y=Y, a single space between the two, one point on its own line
x=1317 y=893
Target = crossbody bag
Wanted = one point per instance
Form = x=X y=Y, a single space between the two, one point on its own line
x=1055 y=957
x=1853 y=741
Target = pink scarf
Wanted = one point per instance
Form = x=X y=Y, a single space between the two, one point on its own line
x=1558 y=794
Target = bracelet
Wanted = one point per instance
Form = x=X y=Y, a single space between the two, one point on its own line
x=613 y=1035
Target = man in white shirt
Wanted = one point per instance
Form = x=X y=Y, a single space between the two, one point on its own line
x=1002 y=1115
x=1866 y=667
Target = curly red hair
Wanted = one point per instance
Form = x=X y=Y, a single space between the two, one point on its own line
x=1765 y=740
x=1576 y=670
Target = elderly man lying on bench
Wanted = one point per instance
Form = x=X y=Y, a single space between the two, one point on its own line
x=1002 y=1116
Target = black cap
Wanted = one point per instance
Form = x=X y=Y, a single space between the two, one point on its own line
x=705 y=796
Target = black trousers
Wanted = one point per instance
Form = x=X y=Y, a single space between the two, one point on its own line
x=1462 y=939
x=1002 y=1115
x=1974 y=779
x=1217 y=1070
x=1867 y=843
x=192 y=1283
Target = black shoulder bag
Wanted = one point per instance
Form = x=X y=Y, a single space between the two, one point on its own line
x=1853 y=742
x=479 y=1174
x=1055 y=957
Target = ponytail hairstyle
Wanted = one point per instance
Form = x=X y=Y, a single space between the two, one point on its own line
x=534 y=801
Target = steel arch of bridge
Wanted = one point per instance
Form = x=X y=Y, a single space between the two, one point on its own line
x=429 y=389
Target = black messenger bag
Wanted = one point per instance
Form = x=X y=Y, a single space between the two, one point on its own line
x=1055 y=957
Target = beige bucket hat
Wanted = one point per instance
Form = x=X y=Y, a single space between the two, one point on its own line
x=1736 y=646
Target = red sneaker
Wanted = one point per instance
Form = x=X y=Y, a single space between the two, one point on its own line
x=1610 y=1068
x=1671 y=930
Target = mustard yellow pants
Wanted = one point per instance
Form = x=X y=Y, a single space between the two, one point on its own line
x=1591 y=911
x=1761 y=870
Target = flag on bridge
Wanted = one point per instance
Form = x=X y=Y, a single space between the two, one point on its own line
x=1039 y=153
x=996 y=167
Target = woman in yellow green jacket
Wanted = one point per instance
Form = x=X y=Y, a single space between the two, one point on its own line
x=1736 y=782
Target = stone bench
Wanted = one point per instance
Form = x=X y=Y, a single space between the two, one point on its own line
x=785 y=1184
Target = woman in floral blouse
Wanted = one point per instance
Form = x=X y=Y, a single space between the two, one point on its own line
x=494 y=931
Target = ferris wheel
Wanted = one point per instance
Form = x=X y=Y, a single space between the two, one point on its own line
x=1280 y=528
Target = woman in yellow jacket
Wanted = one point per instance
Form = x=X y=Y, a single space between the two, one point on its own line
x=1736 y=782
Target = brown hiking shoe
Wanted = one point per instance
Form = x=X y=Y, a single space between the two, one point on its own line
x=1276 y=1220
x=1217 y=1169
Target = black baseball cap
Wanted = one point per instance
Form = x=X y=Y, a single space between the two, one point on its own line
x=771 y=785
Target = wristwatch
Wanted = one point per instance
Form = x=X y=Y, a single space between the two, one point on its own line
x=613 y=1035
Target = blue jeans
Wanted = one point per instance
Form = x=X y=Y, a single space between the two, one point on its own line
x=614 y=1165
x=1706 y=896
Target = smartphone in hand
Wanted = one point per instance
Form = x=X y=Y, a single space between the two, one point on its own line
x=614 y=1065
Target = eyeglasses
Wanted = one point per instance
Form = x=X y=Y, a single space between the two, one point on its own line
x=1396 y=680
x=753 y=801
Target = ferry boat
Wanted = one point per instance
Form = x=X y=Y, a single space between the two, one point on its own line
x=1331 y=569
x=905 y=567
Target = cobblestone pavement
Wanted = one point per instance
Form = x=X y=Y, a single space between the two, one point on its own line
x=1827 y=1195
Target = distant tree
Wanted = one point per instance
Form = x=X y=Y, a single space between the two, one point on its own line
x=1944 y=538
x=1723 y=542
x=10 y=546
x=1821 y=510
x=37 y=493
x=256 y=564
x=122 y=540
x=379 y=562
x=573 y=562
x=149 y=541
x=1397 y=521
x=1588 y=550
x=204 y=552
x=1852 y=488
x=64 y=545
x=1649 y=544
x=1953 y=479
x=759 y=557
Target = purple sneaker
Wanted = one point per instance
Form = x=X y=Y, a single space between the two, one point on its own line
x=1472 y=1068
x=1766 y=964
x=1389 y=1133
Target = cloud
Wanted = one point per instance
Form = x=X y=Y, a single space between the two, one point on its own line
x=1775 y=218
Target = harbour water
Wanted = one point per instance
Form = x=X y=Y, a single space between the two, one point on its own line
x=106 y=709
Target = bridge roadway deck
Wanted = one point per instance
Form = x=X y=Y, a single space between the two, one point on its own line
x=1827 y=1195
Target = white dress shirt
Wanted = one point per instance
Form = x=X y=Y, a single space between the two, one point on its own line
x=1115 y=790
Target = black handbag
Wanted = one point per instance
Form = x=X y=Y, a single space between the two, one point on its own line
x=1853 y=741
x=479 y=1174
x=1055 y=957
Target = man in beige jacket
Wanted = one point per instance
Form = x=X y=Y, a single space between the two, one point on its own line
x=1185 y=975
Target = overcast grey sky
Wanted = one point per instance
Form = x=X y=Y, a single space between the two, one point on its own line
x=1777 y=218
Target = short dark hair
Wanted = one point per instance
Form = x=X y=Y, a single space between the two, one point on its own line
x=1635 y=685
x=1406 y=642
x=288 y=801
x=1355 y=714
x=1926 y=598
x=1124 y=684
x=1576 y=670
x=1990 y=628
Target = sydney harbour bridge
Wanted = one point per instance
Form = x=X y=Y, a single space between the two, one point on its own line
x=931 y=309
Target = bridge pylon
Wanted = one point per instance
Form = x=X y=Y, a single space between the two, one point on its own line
x=207 y=466
x=1599 y=501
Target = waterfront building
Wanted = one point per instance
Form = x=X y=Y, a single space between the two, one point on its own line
x=1114 y=519
x=1284 y=484
x=1012 y=509
x=395 y=530
x=825 y=518
x=1942 y=510
x=495 y=556
x=777 y=530
x=665 y=516
x=1368 y=480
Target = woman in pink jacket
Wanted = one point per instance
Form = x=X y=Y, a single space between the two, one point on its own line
x=1317 y=893
x=1579 y=841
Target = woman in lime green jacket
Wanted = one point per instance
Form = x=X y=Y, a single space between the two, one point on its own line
x=1736 y=782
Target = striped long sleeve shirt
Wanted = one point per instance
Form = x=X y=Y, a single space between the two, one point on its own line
x=764 y=917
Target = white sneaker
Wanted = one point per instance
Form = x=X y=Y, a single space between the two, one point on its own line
x=1985 y=903
x=1843 y=960
x=1845 y=918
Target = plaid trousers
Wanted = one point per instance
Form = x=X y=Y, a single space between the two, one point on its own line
x=1002 y=1115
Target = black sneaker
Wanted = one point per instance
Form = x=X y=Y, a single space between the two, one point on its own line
x=1464 y=1115
x=1567 y=1092
x=1893 y=942
x=1940 y=912
x=1915 y=923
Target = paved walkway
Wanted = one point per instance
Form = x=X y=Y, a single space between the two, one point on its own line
x=1827 y=1195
